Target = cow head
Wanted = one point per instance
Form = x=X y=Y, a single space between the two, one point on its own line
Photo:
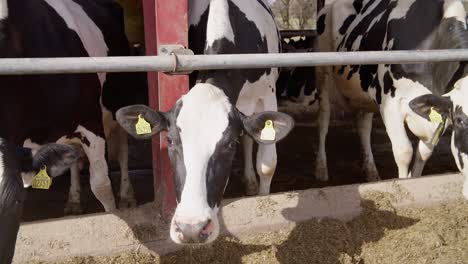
x=55 y=158
x=203 y=130
x=454 y=107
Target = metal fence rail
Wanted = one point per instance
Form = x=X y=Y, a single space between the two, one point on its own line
x=182 y=63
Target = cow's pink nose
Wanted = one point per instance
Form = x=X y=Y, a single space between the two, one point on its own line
x=197 y=232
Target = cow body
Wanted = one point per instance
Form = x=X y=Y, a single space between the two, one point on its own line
x=205 y=125
x=361 y=25
x=295 y=86
x=66 y=108
x=14 y=161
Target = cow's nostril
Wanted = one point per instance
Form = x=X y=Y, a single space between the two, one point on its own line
x=208 y=228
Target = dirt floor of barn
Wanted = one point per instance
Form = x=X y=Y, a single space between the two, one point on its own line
x=295 y=171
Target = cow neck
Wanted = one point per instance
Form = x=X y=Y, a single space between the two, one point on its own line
x=228 y=81
x=223 y=36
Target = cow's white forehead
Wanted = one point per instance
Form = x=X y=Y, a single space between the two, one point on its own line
x=203 y=118
x=204 y=110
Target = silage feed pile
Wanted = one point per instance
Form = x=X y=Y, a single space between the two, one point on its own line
x=381 y=234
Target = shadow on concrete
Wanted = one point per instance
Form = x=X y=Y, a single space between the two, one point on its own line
x=330 y=241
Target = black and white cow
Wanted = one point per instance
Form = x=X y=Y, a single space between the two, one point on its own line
x=205 y=126
x=296 y=85
x=68 y=108
x=16 y=160
x=403 y=93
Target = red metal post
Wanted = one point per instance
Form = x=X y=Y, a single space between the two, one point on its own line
x=165 y=23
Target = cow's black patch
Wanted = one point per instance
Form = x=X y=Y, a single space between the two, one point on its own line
x=346 y=24
x=372 y=39
x=247 y=39
x=367 y=6
x=292 y=82
x=378 y=88
x=451 y=34
x=459 y=73
x=197 y=39
x=12 y=196
x=357 y=5
x=220 y=163
x=11 y=185
x=421 y=28
x=460 y=130
x=413 y=32
x=321 y=24
x=46 y=107
x=174 y=147
x=388 y=84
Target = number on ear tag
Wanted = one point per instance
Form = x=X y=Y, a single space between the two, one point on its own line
x=268 y=132
x=42 y=180
x=435 y=117
x=142 y=126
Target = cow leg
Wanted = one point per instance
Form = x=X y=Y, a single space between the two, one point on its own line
x=73 y=205
x=127 y=196
x=423 y=153
x=401 y=145
x=266 y=154
x=250 y=179
x=95 y=149
x=266 y=166
x=321 y=168
x=364 y=126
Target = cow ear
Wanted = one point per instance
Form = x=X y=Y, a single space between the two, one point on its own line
x=140 y=121
x=428 y=104
x=268 y=127
x=57 y=158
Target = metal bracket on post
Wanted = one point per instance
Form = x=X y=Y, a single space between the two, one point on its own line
x=174 y=50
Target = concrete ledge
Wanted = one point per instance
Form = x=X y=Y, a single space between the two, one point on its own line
x=142 y=228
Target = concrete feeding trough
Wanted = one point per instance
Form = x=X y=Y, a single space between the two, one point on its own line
x=141 y=229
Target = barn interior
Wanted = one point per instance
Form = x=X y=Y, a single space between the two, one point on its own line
x=296 y=154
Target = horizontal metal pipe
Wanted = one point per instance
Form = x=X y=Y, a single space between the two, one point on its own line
x=297 y=33
x=225 y=61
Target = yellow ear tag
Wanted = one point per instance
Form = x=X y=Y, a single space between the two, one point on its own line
x=435 y=117
x=142 y=126
x=268 y=132
x=42 y=180
x=437 y=134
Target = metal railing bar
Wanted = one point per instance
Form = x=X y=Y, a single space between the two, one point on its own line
x=224 y=61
